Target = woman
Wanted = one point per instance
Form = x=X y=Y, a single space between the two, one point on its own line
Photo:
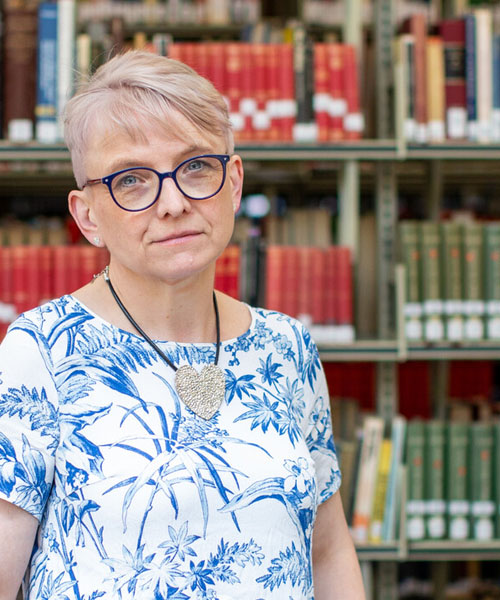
x=171 y=441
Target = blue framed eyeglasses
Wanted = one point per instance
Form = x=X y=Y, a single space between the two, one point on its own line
x=137 y=188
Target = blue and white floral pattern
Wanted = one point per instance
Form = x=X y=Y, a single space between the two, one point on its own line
x=140 y=498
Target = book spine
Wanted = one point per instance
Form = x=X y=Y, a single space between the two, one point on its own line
x=19 y=68
x=292 y=280
x=472 y=281
x=495 y=478
x=434 y=469
x=409 y=250
x=453 y=35
x=353 y=120
x=46 y=100
x=380 y=492
x=481 y=456
x=337 y=107
x=495 y=116
x=344 y=310
x=46 y=273
x=287 y=107
x=471 y=76
x=303 y=60
x=418 y=27
x=415 y=503
x=365 y=486
x=392 y=506
x=321 y=99
x=451 y=277
x=435 y=89
x=330 y=284
x=484 y=64
x=457 y=481
x=430 y=281
x=304 y=288
x=491 y=260
x=274 y=278
x=66 y=26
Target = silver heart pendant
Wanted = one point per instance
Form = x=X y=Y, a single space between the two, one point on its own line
x=201 y=392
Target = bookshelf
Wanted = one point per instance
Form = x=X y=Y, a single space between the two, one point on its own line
x=385 y=163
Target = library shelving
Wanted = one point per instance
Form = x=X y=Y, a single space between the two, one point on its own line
x=383 y=164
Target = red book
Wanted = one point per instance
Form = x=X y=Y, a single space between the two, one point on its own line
x=248 y=103
x=353 y=120
x=344 y=286
x=330 y=284
x=318 y=263
x=286 y=84
x=87 y=260
x=19 y=66
x=260 y=67
x=273 y=91
x=274 y=278
x=416 y=25
x=234 y=71
x=216 y=68
x=304 y=310
x=74 y=276
x=291 y=280
x=20 y=278
x=62 y=265
x=321 y=100
x=338 y=104
x=453 y=35
x=175 y=51
x=232 y=276
x=46 y=273
x=6 y=289
x=32 y=276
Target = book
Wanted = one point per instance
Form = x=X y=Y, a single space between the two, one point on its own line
x=432 y=304
x=481 y=476
x=491 y=278
x=353 y=119
x=472 y=280
x=495 y=478
x=457 y=480
x=373 y=428
x=484 y=64
x=452 y=32
x=434 y=467
x=451 y=279
x=415 y=480
x=495 y=112
x=46 y=99
x=380 y=491
x=392 y=500
x=20 y=22
x=337 y=104
x=410 y=256
x=436 y=110
x=66 y=56
x=471 y=76
x=416 y=25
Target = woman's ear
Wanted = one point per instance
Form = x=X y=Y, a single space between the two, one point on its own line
x=235 y=174
x=80 y=208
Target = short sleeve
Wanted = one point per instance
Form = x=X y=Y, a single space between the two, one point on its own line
x=29 y=432
x=319 y=436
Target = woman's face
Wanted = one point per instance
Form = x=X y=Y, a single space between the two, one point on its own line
x=176 y=238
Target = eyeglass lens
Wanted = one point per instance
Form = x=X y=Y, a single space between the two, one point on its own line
x=197 y=178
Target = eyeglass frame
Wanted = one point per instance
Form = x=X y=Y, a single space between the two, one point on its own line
x=108 y=179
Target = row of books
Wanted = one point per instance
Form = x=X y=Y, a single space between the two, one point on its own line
x=201 y=12
x=314 y=285
x=452 y=280
x=33 y=274
x=275 y=91
x=447 y=469
x=447 y=83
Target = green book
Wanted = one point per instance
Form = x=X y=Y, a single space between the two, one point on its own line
x=496 y=478
x=491 y=274
x=434 y=469
x=472 y=280
x=451 y=279
x=415 y=482
x=431 y=298
x=457 y=481
x=409 y=251
x=481 y=480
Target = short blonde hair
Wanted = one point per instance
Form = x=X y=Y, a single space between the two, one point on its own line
x=136 y=89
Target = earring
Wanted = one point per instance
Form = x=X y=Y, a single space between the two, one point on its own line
x=97 y=240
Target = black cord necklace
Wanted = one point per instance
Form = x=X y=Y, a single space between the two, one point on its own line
x=201 y=392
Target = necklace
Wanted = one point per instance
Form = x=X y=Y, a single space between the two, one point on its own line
x=201 y=392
